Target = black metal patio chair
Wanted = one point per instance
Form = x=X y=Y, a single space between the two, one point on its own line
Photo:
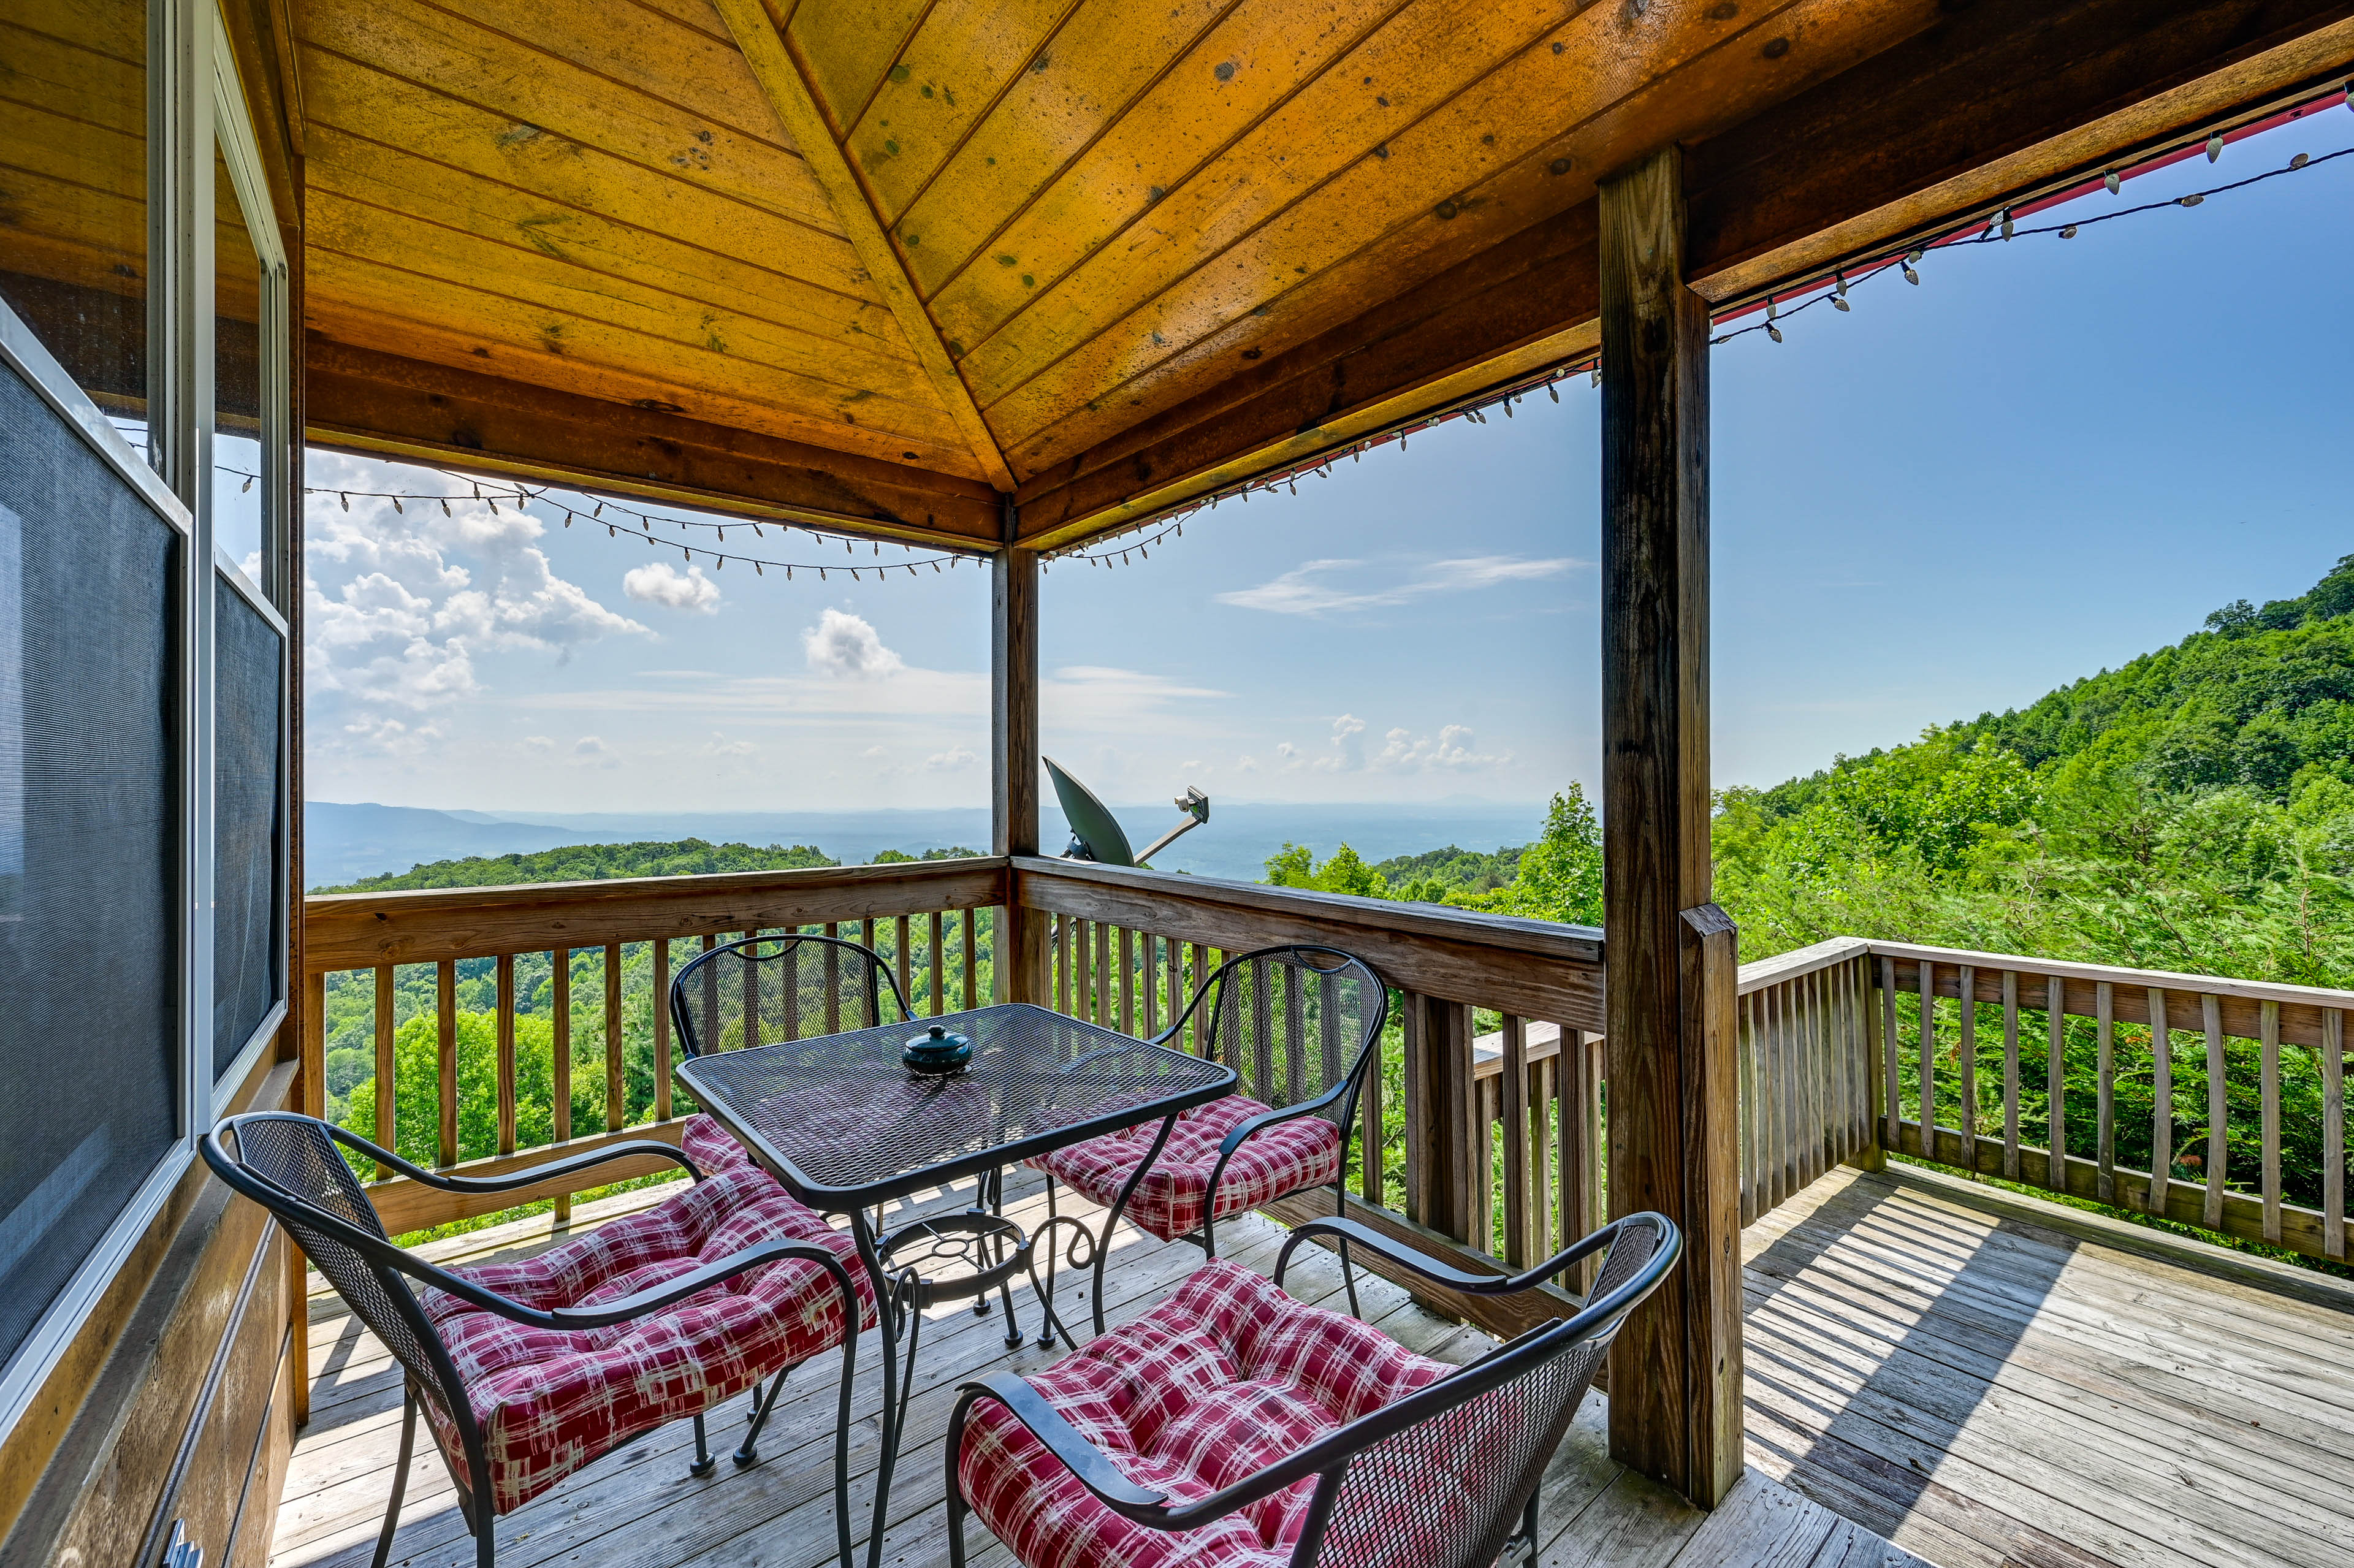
x=1299 y=1025
x=766 y=991
x=1258 y=1426
x=519 y=1384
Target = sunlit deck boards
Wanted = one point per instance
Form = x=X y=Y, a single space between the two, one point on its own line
x=639 y=1509
x=1985 y=1392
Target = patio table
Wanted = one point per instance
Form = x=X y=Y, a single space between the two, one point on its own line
x=848 y=1128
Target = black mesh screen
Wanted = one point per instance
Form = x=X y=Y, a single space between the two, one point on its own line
x=1292 y=1024
x=248 y=939
x=88 y=790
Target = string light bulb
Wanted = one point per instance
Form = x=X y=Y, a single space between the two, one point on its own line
x=2215 y=148
x=1838 y=296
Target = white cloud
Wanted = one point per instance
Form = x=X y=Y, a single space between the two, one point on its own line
x=659 y=582
x=590 y=751
x=955 y=759
x=538 y=744
x=1404 y=752
x=1307 y=588
x=848 y=647
x=720 y=746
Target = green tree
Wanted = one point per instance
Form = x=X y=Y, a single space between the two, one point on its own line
x=417 y=1088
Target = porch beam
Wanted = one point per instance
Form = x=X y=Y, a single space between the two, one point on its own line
x=1675 y=1407
x=1020 y=955
x=362 y=400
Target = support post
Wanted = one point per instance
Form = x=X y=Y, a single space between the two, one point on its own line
x=1675 y=1371
x=1020 y=958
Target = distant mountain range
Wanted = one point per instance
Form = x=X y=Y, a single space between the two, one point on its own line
x=344 y=843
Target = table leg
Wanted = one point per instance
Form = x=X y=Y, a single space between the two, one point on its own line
x=863 y=1234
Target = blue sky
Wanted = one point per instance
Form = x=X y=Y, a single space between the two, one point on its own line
x=2050 y=457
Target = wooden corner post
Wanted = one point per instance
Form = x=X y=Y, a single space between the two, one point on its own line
x=1020 y=955
x=1675 y=1372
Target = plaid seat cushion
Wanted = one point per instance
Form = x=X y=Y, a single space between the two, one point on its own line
x=1222 y=1379
x=1285 y=1158
x=712 y=1146
x=550 y=1402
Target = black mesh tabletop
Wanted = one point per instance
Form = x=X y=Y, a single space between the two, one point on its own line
x=840 y=1122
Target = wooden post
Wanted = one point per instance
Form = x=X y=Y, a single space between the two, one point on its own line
x=1675 y=1371
x=1021 y=955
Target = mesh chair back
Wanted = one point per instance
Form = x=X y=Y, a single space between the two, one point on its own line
x=1449 y=1491
x=301 y=1176
x=766 y=991
x=1294 y=1022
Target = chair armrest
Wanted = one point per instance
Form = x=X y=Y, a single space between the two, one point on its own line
x=1240 y=1133
x=673 y=1292
x=564 y=1165
x=1093 y=1468
x=1357 y=1233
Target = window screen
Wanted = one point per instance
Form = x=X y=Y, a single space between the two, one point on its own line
x=88 y=790
x=248 y=941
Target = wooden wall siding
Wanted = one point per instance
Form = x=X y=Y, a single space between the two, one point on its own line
x=598 y=198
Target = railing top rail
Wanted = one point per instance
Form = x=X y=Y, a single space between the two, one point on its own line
x=358 y=930
x=1578 y=944
x=1780 y=967
x=2162 y=979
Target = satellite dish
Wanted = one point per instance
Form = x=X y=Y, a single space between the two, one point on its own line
x=1096 y=833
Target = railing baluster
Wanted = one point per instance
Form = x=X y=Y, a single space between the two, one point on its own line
x=1926 y=974
x=2161 y=1102
x=1892 y=1052
x=1966 y=990
x=1791 y=1090
x=1150 y=984
x=1778 y=1079
x=904 y=953
x=616 y=1077
x=1127 y=980
x=1414 y=1026
x=1262 y=1035
x=752 y=1035
x=939 y=954
x=1542 y=1094
x=832 y=981
x=560 y=1061
x=1201 y=974
x=1063 y=964
x=2270 y=1023
x=1584 y=1156
x=1483 y=1167
x=506 y=1004
x=445 y=1000
x=2333 y=1132
x=2010 y=1075
x=1514 y=1112
x=789 y=992
x=1371 y=1172
x=386 y=1071
x=2219 y=1110
x=2055 y=1082
x=1744 y=1063
x=2104 y=1004
x=1295 y=1038
x=1104 y=981
x=971 y=918
x=661 y=1029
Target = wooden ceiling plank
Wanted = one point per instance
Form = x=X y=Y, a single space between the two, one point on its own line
x=71 y=80
x=1495 y=314
x=1124 y=370
x=495 y=211
x=2079 y=113
x=1278 y=134
x=386 y=403
x=71 y=233
x=603 y=361
x=845 y=48
x=539 y=94
x=1096 y=65
x=1143 y=173
x=696 y=14
x=789 y=93
x=369 y=106
x=560 y=273
x=639 y=48
x=119 y=32
x=959 y=64
x=2000 y=75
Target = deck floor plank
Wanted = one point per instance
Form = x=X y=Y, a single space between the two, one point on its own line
x=1929 y=1383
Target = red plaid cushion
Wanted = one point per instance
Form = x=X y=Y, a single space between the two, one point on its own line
x=1211 y=1386
x=712 y=1146
x=551 y=1401
x=1302 y=1152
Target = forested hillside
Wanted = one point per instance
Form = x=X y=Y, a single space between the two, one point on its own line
x=585 y=863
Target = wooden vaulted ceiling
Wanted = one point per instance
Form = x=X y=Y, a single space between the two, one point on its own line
x=882 y=261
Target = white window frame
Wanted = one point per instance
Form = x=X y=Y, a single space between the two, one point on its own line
x=194 y=97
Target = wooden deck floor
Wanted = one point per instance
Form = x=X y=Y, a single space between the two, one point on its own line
x=639 y=1508
x=1988 y=1392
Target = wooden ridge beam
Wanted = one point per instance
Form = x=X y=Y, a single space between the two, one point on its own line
x=384 y=405
x=1884 y=152
x=788 y=92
